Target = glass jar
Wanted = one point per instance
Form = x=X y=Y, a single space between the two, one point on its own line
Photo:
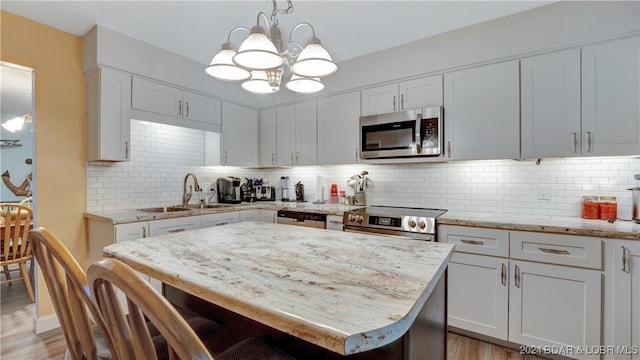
x=590 y=207
x=608 y=207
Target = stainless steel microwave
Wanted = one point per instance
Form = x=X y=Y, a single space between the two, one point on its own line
x=410 y=133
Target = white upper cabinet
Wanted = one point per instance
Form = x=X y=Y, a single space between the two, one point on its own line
x=550 y=100
x=410 y=94
x=297 y=134
x=239 y=135
x=167 y=100
x=268 y=139
x=482 y=112
x=338 y=126
x=108 y=115
x=610 y=81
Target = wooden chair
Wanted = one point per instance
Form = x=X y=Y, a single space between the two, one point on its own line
x=132 y=338
x=84 y=328
x=26 y=202
x=16 y=220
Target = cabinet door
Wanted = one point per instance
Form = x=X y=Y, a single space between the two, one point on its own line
x=478 y=294
x=626 y=299
x=482 y=112
x=422 y=92
x=306 y=133
x=268 y=216
x=158 y=98
x=212 y=220
x=334 y=222
x=380 y=100
x=550 y=86
x=610 y=80
x=249 y=215
x=202 y=108
x=239 y=135
x=108 y=115
x=286 y=134
x=552 y=305
x=268 y=138
x=338 y=126
x=171 y=226
x=133 y=231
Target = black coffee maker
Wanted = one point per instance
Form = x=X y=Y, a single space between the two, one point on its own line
x=299 y=192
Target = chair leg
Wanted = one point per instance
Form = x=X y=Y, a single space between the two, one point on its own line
x=27 y=281
x=7 y=273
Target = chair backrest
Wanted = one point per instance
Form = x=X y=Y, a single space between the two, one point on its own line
x=131 y=335
x=70 y=293
x=17 y=220
x=26 y=202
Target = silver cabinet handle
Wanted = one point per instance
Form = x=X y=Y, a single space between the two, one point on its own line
x=126 y=149
x=503 y=275
x=144 y=231
x=554 y=251
x=179 y=107
x=176 y=230
x=394 y=103
x=273 y=158
x=222 y=223
x=575 y=143
x=297 y=157
x=625 y=260
x=292 y=158
x=472 y=242
x=187 y=113
x=356 y=154
x=589 y=142
x=517 y=277
x=449 y=148
x=401 y=101
x=225 y=158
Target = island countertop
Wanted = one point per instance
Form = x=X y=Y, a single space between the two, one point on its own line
x=346 y=292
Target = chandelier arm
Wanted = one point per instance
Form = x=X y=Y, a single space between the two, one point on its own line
x=313 y=31
x=266 y=19
x=236 y=29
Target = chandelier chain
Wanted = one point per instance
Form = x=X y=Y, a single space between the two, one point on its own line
x=276 y=10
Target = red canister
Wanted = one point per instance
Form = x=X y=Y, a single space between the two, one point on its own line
x=608 y=207
x=590 y=207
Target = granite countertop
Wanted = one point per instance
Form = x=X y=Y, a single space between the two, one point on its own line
x=620 y=229
x=132 y=215
x=345 y=292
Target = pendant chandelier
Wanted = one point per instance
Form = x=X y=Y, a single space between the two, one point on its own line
x=259 y=63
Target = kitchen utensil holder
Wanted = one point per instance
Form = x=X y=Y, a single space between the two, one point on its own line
x=360 y=198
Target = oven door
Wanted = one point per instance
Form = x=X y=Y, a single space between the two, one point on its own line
x=391 y=233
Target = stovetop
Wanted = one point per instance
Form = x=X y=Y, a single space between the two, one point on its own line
x=401 y=211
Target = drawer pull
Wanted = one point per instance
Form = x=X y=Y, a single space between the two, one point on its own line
x=517 y=277
x=472 y=242
x=144 y=231
x=335 y=222
x=176 y=230
x=222 y=223
x=554 y=251
x=503 y=275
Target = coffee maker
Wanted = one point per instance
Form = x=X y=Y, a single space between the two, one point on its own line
x=284 y=188
x=229 y=190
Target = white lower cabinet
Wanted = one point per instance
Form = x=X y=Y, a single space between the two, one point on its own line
x=219 y=219
x=171 y=226
x=622 y=300
x=334 y=222
x=268 y=216
x=535 y=296
x=249 y=215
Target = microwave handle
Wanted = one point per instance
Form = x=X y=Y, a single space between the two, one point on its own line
x=418 y=144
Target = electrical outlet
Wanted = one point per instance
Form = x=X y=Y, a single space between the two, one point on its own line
x=543 y=191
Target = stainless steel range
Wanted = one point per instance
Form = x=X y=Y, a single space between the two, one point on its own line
x=418 y=223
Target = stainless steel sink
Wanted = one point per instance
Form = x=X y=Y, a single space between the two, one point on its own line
x=165 y=209
x=205 y=206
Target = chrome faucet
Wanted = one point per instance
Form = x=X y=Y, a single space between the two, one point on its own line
x=186 y=196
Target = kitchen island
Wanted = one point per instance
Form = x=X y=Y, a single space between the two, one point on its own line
x=347 y=293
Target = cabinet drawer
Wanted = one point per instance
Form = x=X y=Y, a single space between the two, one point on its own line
x=475 y=240
x=169 y=226
x=557 y=249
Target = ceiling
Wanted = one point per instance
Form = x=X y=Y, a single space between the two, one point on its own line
x=197 y=29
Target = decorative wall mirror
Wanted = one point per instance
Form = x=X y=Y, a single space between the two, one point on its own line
x=16 y=132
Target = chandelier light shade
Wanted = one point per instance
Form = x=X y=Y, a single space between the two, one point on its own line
x=223 y=68
x=314 y=61
x=259 y=63
x=304 y=85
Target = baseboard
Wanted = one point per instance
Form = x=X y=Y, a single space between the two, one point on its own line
x=45 y=323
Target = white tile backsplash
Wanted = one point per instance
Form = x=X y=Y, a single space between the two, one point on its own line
x=161 y=155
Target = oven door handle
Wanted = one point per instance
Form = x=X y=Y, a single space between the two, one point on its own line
x=391 y=233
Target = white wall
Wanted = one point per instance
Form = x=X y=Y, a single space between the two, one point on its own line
x=161 y=155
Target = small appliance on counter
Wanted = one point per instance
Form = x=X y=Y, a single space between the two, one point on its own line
x=265 y=193
x=299 y=192
x=229 y=190
x=285 y=184
x=635 y=197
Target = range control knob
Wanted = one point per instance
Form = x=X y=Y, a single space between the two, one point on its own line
x=422 y=224
x=352 y=218
x=412 y=223
x=360 y=219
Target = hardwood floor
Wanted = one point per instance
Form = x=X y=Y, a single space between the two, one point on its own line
x=18 y=342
